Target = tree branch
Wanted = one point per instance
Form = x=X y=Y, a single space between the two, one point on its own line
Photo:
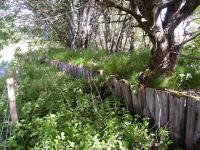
x=190 y=39
x=107 y=3
x=184 y=12
x=164 y=5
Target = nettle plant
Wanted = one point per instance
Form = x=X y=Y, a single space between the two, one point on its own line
x=184 y=79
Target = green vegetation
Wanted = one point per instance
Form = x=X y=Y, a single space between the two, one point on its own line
x=125 y=65
x=130 y=65
x=186 y=74
x=57 y=112
x=3 y=102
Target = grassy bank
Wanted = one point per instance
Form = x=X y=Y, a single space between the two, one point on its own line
x=130 y=65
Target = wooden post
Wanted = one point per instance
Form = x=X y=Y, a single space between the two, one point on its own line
x=11 y=99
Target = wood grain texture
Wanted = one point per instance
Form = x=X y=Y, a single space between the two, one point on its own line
x=118 y=89
x=177 y=119
x=113 y=87
x=192 y=139
x=12 y=100
x=161 y=108
x=137 y=104
x=141 y=100
x=149 y=109
x=126 y=95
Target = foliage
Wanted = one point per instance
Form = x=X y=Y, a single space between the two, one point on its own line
x=56 y=113
x=186 y=74
x=5 y=35
x=129 y=66
x=126 y=65
x=7 y=26
x=3 y=101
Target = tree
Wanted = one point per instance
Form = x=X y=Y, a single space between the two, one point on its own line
x=6 y=26
x=70 y=20
x=159 y=19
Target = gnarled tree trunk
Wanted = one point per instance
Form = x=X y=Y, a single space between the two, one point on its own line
x=163 y=54
x=160 y=26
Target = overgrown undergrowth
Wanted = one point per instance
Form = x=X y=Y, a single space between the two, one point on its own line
x=55 y=113
x=3 y=103
x=129 y=65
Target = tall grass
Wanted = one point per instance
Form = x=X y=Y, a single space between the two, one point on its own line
x=129 y=65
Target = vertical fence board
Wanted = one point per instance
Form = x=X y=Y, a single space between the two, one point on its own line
x=177 y=119
x=118 y=89
x=162 y=108
x=113 y=86
x=141 y=100
x=193 y=124
x=137 y=105
x=126 y=95
x=149 y=110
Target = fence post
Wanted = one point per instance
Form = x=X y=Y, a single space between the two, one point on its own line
x=11 y=99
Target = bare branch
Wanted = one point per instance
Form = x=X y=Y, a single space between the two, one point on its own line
x=190 y=39
x=186 y=56
x=108 y=3
x=184 y=12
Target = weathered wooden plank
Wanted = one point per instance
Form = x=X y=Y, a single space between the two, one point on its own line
x=66 y=68
x=70 y=69
x=12 y=100
x=73 y=70
x=137 y=104
x=113 y=87
x=192 y=139
x=76 y=71
x=162 y=108
x=118 y=88
x=177 y=119
x=141 y=100
x=80 y=72
x=87 y=74
x=134 y=102
x=126 y=95
x=149 y=109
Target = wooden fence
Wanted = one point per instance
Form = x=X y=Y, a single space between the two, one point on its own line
x=180 y=115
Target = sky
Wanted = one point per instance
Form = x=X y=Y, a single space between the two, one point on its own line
x=7 y=54
x=23 y=18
